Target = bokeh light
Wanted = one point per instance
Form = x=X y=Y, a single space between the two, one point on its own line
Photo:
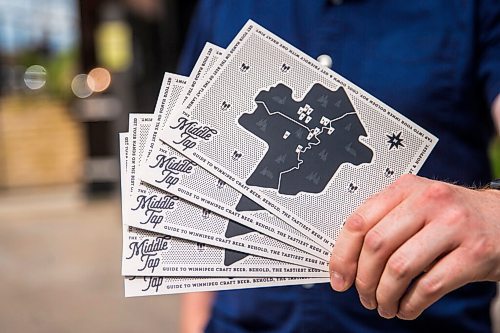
x=80 y=85
x=35 y=77
x=99 y=79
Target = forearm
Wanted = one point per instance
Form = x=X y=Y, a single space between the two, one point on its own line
x=195 y=311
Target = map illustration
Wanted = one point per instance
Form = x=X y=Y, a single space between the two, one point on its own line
x=308 y=140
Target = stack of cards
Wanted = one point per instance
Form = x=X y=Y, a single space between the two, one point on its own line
x=247 y=169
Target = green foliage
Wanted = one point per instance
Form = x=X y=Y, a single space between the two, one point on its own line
x=495 y=157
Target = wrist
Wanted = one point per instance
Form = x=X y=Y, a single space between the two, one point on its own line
x=494 y=192
x=494 y=184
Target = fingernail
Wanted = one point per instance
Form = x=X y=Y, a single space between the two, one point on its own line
x=401 y=315
x=337 y=281
x=367 y=304
x=384 y=313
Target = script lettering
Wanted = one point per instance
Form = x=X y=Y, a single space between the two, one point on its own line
x=154 y=282
x=147 y=251
x=173 y=168
x=153 y=206
x=192 y=131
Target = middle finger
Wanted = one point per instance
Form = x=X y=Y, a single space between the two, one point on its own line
x=379 y=243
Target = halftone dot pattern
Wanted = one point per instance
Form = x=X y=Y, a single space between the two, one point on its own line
x=144 y=124
x=208 y=185
x=174 y=95
x=199 y=178
x=178 y=90
x=187 y=253
x=327 y=210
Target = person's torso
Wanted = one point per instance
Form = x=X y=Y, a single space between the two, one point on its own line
x=418 y=57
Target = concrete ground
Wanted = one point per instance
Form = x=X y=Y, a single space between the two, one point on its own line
x=60 y=268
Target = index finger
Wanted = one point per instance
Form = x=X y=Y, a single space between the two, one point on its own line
x=345 y=254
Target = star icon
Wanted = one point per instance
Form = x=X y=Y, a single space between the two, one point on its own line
x=395 y=141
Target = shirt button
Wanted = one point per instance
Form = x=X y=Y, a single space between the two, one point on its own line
x=307 y=286
x=325 y=60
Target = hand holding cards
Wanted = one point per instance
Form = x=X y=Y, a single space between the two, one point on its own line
x=248 y=168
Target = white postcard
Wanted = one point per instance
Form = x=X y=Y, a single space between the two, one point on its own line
x=293 y=136
x=161 y=212
x=147 y=253
x=169 y=170
x=159 y=285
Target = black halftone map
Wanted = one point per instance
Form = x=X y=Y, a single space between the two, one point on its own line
x=231 y=256
x=308 y=140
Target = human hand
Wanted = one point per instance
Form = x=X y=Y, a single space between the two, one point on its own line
x=414 y=242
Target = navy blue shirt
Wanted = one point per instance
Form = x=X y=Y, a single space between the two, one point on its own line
x=437 y=62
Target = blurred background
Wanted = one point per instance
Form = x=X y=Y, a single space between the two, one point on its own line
x=70 y=73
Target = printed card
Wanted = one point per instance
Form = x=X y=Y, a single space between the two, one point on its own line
x=159 y=211
x=151 y=254
x=169 y=170
x=147 y=253
x=294 y=137
x=159 y=285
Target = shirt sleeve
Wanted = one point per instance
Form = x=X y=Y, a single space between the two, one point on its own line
x=489 y=47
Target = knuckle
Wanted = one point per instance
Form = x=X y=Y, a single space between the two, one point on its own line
x=337 y=263
x=365 y=289
x=401 y=184
x=430 y=288
x=406 y=179
x=482 y=249
x=398 y=266
x=346 y=268
x=437 y=191
x=393 y=187
x=455 y=214
x=374 y=241
x=355 y=223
